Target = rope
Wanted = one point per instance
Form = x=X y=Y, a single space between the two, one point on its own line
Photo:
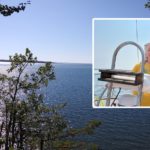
x=113 y=103
x=137 y=39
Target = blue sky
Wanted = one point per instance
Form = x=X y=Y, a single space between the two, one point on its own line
x=110 y=33
x=61 y=30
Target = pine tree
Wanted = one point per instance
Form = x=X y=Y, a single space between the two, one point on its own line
x=6 y=10
x=28 y=122
x=147 y=5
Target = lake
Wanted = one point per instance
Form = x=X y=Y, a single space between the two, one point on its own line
x=121 y=129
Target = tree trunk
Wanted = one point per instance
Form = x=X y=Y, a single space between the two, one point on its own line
x=7 y=131
x=13 y=128
x=41 y=144
x=21 y=134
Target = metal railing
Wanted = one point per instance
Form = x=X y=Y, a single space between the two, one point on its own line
x=113 y=67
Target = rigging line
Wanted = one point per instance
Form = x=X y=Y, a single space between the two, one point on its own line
x=137 y=39
x=113 y=103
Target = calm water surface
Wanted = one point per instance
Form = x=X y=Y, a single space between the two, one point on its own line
x=121 y=129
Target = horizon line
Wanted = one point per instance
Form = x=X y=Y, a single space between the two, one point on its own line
x=41 y=61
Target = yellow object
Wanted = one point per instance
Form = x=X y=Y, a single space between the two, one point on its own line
x=146 y=96
x=102 y=102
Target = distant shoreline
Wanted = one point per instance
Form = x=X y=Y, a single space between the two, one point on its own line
x=72 y=63
x=7 y=63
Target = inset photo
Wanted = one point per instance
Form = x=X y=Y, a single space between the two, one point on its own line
x=121 y=62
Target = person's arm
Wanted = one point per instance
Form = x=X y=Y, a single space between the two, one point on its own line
x=136 y=69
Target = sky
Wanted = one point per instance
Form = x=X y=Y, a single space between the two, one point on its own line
x=61 y=30
x=109 y=34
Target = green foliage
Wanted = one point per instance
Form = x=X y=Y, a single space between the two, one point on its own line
x=6 y=10
x=147 y=5
x=28 y=122
x=74 y=145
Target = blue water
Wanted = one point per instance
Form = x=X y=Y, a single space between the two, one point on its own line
x=121 y=129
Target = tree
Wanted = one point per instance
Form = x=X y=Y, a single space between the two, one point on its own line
x=6 y=10
x=27 y=122
x=147 y=5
